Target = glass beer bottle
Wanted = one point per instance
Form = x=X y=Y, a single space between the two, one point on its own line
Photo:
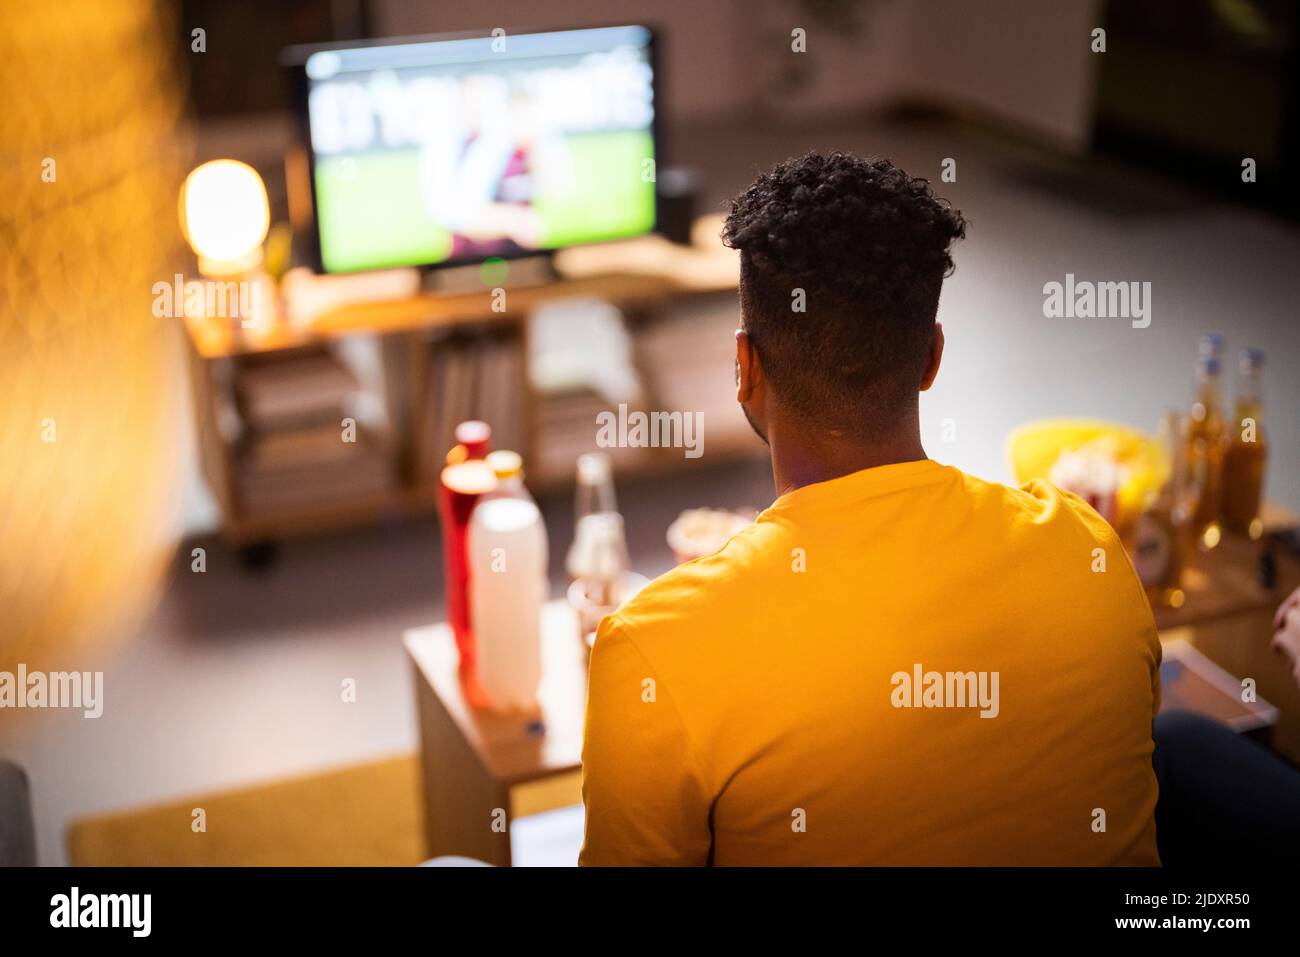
x=1159 y=544
x=1205 y=448
x=1247 y=452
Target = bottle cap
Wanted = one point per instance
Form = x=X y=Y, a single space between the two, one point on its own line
x=1252 y=359
x=475 y=436
x=1212 y=345
x=505 y=464
x=1209 y=364
x=593 y=468
x=471 y=477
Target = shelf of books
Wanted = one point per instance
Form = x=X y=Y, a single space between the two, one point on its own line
x=350 y=423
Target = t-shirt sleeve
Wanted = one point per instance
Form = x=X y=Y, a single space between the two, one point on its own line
x=646 y=801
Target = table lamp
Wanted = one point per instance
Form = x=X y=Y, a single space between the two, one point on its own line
x=225 y=217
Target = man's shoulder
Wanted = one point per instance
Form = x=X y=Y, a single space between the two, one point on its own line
x=721 y=585
x=1039 y=504
x=1066 y=544
x=1051 y=541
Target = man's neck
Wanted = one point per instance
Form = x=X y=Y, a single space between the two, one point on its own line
x=804 y=457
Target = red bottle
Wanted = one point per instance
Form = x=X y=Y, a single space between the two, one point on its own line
x=465 y=477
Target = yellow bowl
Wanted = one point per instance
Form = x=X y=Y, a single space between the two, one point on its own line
x=1034 y=447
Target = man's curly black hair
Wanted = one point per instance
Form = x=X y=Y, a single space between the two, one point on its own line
x=868 y=245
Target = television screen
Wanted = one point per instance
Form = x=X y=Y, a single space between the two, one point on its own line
x=449 y=151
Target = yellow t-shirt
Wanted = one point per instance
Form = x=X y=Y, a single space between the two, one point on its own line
x=905 y=665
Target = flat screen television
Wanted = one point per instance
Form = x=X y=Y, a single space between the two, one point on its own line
x=439 y=151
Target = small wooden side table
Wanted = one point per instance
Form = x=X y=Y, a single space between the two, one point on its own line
x=472 y=760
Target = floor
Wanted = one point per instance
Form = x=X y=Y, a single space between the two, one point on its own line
x=236 y=677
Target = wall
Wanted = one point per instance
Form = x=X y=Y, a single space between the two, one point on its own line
x=1023 y=62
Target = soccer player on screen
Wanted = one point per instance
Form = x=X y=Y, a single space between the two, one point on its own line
x=478 y=175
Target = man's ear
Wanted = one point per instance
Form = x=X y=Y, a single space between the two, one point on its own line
x=936 y=357
x=749 y=373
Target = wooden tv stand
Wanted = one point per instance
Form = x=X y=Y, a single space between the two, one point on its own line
x=641 y=277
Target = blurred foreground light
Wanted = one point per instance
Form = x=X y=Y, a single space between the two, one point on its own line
x=93 y=144
x=1210 y=537
x=225 y=216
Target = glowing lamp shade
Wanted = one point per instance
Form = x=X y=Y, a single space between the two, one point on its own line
x=225 y=215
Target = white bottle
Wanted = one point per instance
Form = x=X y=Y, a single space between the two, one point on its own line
x=507 y=587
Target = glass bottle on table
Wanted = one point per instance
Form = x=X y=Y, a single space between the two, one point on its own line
x=598 y=556
x=598 y=559
x=1205 y=446
x=1247 y=451
x=1161 y=537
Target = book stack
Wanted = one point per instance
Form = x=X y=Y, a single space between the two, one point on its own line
x=689 y=360
x=296 y=450
x=567 y=425
x=471 y=377
x=580 y=364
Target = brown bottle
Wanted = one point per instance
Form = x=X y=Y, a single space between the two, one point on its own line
x=1205 y=445
x=1247 y=452
x=1160 y=537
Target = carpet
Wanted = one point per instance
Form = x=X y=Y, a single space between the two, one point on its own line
x=365 y=815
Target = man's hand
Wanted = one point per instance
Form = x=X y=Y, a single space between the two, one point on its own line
x=1286 y=631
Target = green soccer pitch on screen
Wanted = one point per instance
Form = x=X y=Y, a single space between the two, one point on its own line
x=456 y=150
